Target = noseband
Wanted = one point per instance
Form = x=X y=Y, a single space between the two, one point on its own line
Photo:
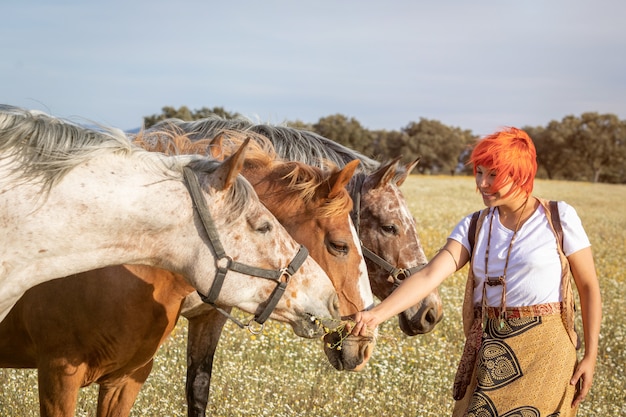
x=397 y=274
x=225 y=263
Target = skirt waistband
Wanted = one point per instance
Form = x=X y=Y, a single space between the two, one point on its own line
x=521 y=312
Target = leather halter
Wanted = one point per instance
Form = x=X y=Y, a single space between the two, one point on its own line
x=224 y=263
x=397 y=274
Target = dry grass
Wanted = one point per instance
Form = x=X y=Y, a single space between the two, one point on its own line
x=278 y=374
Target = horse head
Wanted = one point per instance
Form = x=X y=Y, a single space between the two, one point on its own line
x=388 y=230
x=314 y=206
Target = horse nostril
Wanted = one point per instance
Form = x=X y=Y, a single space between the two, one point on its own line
x=335 y=309
x=430 y=316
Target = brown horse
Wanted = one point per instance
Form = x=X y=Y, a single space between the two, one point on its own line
x=386 y=228
x=314 y=206
x=112 y=327
x=102 y=326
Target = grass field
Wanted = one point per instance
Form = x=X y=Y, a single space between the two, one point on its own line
x=278 y=374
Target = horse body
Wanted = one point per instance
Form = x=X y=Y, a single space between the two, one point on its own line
x=125 y=206
x=97 y=221
x=103 y=326
x=74 y=199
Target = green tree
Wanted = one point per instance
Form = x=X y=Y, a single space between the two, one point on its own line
x=591 y=147
x=347 y=132
x=299 y=124
x=553 y=153
x=588 y=148
x=599 y=141
x=439 y=146
x=183 y=113
x=388 y=144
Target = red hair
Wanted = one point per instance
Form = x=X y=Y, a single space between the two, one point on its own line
x=512 y=155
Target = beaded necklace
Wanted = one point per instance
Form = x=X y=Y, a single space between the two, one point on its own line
x=501 y=280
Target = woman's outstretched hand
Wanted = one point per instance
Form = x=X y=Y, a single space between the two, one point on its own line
x=365 y=322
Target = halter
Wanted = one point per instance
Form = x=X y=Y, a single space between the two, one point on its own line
x=224 y=263
x=397 y=274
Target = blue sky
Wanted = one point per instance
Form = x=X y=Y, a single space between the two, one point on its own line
x=477 y=65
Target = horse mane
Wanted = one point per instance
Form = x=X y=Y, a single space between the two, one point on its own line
x=302 y=180
x=169 y=143
x=173 y=144
x=47 y=148
x=37 y=146
x=290 y=143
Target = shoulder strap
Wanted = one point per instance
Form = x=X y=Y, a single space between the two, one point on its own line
x=554 y=214
x=471 y=234
x=567 y=317
x=556 y=220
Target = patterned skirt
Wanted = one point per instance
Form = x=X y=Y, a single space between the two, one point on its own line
x=522 y=369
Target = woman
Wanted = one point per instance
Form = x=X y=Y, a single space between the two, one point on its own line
x=520 y=351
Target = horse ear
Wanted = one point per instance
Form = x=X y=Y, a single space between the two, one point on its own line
x=231 y=167
x=407 y=171
x=216 y=148
x=385 y=174
x=340 y=179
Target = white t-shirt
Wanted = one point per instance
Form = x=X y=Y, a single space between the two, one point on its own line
x=534 y=271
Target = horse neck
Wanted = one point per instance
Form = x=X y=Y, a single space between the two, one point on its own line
x=110 y=210
x=273 y=191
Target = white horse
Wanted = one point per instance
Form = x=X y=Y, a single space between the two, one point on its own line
x=74 y=199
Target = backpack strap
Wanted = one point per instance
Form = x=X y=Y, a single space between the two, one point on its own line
x=471 y=234
x=554 y=214
x=556 y=220
x=569 y=303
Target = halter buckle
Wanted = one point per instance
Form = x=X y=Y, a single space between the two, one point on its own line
x=254 y=327
x=286 y=273
x=224 y=259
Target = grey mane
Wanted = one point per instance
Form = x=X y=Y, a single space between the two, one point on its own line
x=36 y=146
x=46 y=148
x=238 y=196
x=289 y=143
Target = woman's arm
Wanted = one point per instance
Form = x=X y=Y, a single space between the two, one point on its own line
x=415 y=288
x=584 y=272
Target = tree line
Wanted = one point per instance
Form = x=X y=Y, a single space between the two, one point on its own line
x=590 y=147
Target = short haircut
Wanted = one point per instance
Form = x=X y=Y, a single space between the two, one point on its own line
x=512 y=155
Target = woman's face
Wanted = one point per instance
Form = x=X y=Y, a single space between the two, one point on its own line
x=485 y=178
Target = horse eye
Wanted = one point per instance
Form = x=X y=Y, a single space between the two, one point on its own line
x=390 y=229
x=338 y=247
x=265 y=227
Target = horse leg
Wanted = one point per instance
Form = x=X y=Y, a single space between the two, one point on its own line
x=58 y=387
x=203 y=336
x=117 y=396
